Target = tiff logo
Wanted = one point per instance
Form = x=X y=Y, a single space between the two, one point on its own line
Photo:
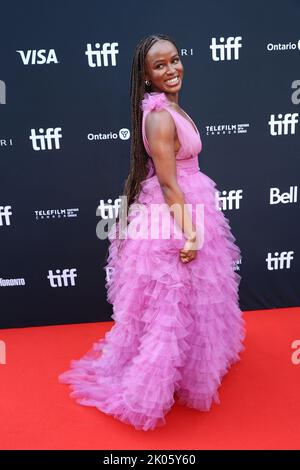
x=38 y=57
x=284 y=198
x=5 y=213
x=2 y=352
x=98 y=56
x=229 y=201
x=109 y=210
x=279 y=260
x=223 y=51
x=284 y=124
x=2 y=92
x=45 y=138
x=56 y=213
x=63 y=278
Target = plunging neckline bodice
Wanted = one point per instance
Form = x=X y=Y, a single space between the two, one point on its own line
x=187 y=134
x=189 y=120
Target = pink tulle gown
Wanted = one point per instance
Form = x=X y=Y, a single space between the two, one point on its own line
x=178 y=327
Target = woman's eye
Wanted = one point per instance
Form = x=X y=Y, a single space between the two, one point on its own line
x=177 y=59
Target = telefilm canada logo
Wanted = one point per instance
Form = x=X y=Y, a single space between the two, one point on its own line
x=46 y=214
x=227 y=129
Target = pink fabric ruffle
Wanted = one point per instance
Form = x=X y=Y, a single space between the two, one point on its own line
x=178 y=328
x=154 y=101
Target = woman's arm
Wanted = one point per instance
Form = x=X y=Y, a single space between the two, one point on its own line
x=160 y=131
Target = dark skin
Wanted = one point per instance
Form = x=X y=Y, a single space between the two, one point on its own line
x=162 y=63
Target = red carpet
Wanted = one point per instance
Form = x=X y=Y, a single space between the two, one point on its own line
x=260 y=399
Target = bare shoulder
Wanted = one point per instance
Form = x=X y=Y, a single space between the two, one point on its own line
x=159 y=122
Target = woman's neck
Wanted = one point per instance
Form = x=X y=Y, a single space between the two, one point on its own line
x=173 y=98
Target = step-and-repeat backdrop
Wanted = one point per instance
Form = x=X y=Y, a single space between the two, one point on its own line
x=65 y=139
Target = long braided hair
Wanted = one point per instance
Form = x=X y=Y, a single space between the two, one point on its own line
x=138 y=156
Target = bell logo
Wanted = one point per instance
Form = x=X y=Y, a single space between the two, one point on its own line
x=284 y=198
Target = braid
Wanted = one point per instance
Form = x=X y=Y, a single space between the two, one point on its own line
x=138 y=155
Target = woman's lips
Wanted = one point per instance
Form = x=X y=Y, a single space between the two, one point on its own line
x=174 y=81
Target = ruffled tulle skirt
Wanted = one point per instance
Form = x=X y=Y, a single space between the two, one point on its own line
x=178 y=327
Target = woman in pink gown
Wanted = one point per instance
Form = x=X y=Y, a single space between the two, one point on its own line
x=178 y=327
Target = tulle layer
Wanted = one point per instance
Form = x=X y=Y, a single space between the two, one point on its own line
x=178 y=327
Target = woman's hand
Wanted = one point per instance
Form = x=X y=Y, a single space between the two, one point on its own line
x=189 y=251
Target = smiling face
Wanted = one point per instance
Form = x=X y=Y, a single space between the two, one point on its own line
x=163 y=67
